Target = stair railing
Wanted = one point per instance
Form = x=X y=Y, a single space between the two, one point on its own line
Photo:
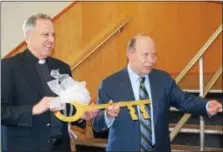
x=203 y=92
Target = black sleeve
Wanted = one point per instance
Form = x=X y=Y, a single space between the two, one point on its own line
x=12 y=113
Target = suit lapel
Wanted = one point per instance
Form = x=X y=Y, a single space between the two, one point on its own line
x=51 y=64
x=30 y=72
x=126 y=87
x=154 y=91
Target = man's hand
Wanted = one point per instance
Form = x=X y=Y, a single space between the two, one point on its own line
x=113 y=110
x=42 y=106
x=88 y=115
x=213 y=107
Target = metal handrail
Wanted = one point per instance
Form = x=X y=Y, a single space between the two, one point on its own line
x=199 y=54
x=201 y=82
x=185 y=117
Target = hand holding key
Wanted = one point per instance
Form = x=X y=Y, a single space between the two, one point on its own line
x=113 y=110
x=81 y=109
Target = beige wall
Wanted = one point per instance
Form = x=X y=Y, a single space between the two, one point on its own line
x=14 y=13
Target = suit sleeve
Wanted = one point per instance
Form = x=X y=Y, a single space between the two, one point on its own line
x=185 y=102
x=99 y=123
x=11 y=112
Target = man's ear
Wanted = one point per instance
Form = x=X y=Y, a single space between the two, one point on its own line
x=27 y=36
x=130 y=54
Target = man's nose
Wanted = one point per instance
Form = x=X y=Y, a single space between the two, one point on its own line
x=51 y=38
x=151 y=59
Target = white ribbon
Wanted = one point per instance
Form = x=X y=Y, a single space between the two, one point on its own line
x=67 y=90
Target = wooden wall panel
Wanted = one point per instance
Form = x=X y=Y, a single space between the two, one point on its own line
x=69 y=31
x=178 y=28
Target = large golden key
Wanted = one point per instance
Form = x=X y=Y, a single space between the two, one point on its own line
x=81 y=109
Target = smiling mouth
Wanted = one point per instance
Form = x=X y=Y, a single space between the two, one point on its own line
x=49 y=47
x=149 y=67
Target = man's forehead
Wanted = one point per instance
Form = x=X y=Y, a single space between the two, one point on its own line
x=40 y=21
x=144 y=41
x=44 y=24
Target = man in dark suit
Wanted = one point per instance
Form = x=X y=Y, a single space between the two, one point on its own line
x=139 y=80
x=27 y=124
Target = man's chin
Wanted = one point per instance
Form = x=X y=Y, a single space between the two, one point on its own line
x=48 y=52
x=44 y=56
x=148 y=70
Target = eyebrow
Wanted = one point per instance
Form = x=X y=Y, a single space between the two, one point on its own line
x=53 y=33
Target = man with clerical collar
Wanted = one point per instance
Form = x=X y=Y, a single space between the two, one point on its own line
x=27 y=123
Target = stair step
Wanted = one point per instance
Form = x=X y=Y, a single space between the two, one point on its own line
x=180 y=148
x=198 y=91
x=193 y=128
x=192 y=139
x=217 y=120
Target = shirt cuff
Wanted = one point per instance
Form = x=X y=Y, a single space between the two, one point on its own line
x=210 y=115
x=108 y=121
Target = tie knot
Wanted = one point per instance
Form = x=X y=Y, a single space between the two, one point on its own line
x=142 y=80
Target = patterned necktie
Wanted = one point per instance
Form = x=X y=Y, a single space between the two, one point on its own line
x=145 y=124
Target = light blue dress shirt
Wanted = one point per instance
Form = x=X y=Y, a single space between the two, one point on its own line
x=134 y=79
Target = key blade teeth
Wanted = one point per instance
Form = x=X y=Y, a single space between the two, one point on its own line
x=134 y=117
x=146 y=116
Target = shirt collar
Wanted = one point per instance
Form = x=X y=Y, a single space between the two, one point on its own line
x=42 y=61
x=33 y=59
x=134 y=76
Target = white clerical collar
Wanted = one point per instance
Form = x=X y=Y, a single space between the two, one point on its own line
x=42 y=61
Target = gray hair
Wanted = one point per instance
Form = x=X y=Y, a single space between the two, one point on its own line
x=30 y=23
x=131 y=44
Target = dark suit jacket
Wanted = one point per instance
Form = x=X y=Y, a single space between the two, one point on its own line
x=21 y=89
x=124 y=134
